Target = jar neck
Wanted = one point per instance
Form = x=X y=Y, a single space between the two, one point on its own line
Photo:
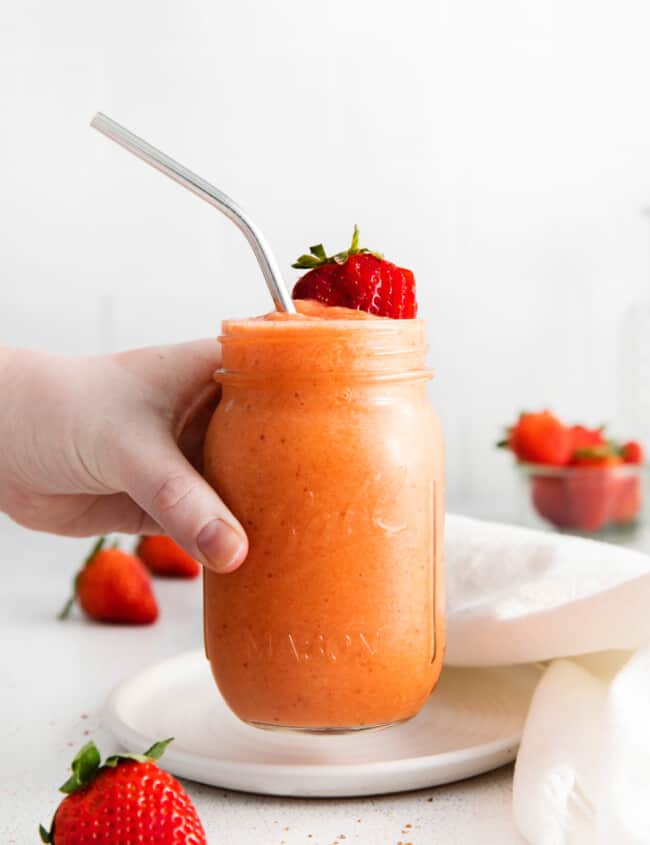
x=324 y=349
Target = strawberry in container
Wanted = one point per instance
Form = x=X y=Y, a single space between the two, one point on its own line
x=579 y=479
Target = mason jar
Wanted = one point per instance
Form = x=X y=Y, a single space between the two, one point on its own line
x=326 y=448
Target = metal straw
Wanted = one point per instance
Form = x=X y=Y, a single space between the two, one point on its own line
x=209 y=193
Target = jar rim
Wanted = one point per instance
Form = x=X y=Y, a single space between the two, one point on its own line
x=318 y=349
x=253 y=328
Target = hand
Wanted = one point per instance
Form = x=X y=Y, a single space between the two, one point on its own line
x=94 y=445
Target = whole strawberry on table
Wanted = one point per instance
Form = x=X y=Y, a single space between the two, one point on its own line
x=127 y=801
x=580 y=479
x=164 y=557
x=113 y=586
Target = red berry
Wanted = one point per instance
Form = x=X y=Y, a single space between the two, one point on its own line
x=540 y=439
x=162 y=556
x=632 y=452
x=584 y=438
x=628 y=503
x=113 y=586
x=549 y=499
x=591 y=496
x=358 y=279
x=128 y=800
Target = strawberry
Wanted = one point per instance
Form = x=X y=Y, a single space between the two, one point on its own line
x=591 y=493
x=548 y=495
x=584 y=438
x=632 y=452
x=539 y=438
x=615 y=496
x=357 y=278
x=628 y=502
x=113 y=586
x=127 y=801
x=162 y=556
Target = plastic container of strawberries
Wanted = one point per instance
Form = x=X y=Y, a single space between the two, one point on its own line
x=589 y=500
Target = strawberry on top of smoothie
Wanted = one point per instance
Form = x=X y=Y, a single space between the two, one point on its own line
x=358 y=279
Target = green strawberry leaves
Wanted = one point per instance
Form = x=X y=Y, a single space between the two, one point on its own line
x=158 y=749
x=152 y=754
x=317 y=255
x=86 y=764
x=45 y=835
x=308 y=262
x=84 y=769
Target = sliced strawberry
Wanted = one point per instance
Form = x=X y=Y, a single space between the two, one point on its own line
x=357 y=278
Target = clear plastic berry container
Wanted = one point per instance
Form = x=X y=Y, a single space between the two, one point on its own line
x=588 y=500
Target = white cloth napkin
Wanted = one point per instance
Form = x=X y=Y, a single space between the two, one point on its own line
x=582 y=775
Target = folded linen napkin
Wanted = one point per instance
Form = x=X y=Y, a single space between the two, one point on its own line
x=516 y=596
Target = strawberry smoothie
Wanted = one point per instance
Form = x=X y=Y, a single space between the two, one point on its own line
x=326 y=448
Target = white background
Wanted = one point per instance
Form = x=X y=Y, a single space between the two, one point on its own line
x=501 y=149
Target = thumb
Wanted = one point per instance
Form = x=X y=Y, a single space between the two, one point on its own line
x=172 y=492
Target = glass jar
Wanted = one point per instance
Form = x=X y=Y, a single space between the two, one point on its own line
x=588 y=500
x=325 y=447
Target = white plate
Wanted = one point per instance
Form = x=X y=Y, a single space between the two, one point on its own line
x=471 y=724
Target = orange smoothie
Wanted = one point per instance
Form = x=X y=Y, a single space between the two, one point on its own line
x=326 y=448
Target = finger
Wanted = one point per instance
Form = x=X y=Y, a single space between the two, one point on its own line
x=86 y=515
x=191 y=440
x=177 y=498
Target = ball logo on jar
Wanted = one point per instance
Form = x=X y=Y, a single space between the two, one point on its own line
x=376 y=504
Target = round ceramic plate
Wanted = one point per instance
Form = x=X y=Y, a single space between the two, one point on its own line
x=471 y=724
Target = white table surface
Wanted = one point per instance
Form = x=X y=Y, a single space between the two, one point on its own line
x=55 y=677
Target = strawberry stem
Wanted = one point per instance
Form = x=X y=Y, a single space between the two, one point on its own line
x=354 y=246
x=67 y=607
x=99 y=545
x=317 y=255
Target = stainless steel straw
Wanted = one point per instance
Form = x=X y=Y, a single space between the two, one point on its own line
x=209 y=193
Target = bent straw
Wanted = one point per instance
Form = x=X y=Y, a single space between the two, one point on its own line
x=176 y=171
